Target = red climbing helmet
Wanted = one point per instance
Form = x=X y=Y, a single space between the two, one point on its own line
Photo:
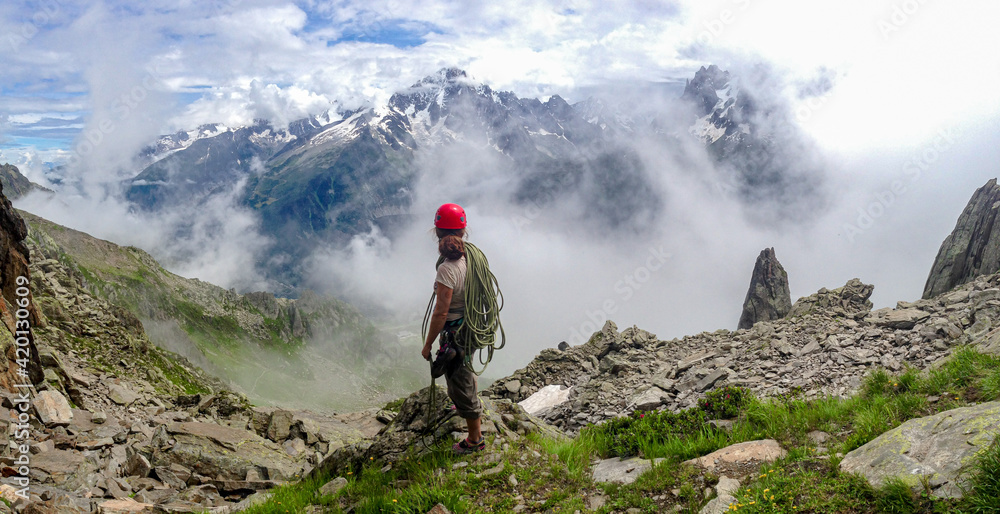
x=450 y=216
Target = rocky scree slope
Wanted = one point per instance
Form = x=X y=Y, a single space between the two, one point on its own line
x=273 y=349
x=828 y=342
x=115 y=427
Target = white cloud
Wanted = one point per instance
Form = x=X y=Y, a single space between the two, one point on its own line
x=904 y=68
x=909 y=73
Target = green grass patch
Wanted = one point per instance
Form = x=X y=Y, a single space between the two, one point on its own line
x=984 y=494
x=559 y=481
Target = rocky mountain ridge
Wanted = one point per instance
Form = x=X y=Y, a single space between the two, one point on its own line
x=829 y=341
x=15 y=184
x=118 y=424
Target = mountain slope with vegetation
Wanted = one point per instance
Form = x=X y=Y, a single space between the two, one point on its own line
x=276 y=350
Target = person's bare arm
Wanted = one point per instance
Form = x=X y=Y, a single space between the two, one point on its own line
x=438 y=318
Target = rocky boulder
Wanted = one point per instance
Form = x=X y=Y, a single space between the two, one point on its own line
x=53 y=409
x=825 y=347
x=938 y=448
x=619 y=470
x=226 y=453
x=741 y=457
x=421 y=424
x=546 y=398
x=768 y=297
x=575 y=365
x=851 y=301
x=973 y=247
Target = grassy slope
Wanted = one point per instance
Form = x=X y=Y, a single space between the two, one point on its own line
x=552 y=476
x=226 y=334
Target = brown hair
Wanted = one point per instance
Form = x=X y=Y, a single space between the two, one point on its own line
x=450 y=244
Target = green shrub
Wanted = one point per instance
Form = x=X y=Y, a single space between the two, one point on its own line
x=625 y=436
x=877 y=383
x=725 y=403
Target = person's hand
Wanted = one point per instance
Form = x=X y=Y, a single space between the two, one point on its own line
x=426 y=352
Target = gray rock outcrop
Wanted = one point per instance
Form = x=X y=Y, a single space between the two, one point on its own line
x=824 y=347
x=937 y=448
x=421 y=423
x=973 y=247
x=14 y=275
x=852 y=301
x=768 y=297
x=741 y=454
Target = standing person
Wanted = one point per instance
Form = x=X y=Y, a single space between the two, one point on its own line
x=447 y=319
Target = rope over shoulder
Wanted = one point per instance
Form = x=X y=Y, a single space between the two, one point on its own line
x=483 y=302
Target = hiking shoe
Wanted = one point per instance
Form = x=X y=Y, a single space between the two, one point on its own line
x=464 y=447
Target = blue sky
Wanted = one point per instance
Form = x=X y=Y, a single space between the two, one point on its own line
x=160 y=66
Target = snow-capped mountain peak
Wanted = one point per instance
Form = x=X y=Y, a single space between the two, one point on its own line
x=716 y=98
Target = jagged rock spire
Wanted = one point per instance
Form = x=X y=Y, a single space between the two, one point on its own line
x=768 y=297
x=973 y=248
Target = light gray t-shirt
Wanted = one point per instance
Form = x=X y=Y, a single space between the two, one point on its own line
x=452 y=274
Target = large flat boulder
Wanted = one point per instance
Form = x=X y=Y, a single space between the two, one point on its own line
x=937 y=447
x=53 y=409
x=64 y=468
x=336 y=429
x=741 y=456
x=989 y=343
x=122 y=395
x=545 y=398
x=621 y=471
x=226 y=453
x=903 y=319
x=122 y=506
